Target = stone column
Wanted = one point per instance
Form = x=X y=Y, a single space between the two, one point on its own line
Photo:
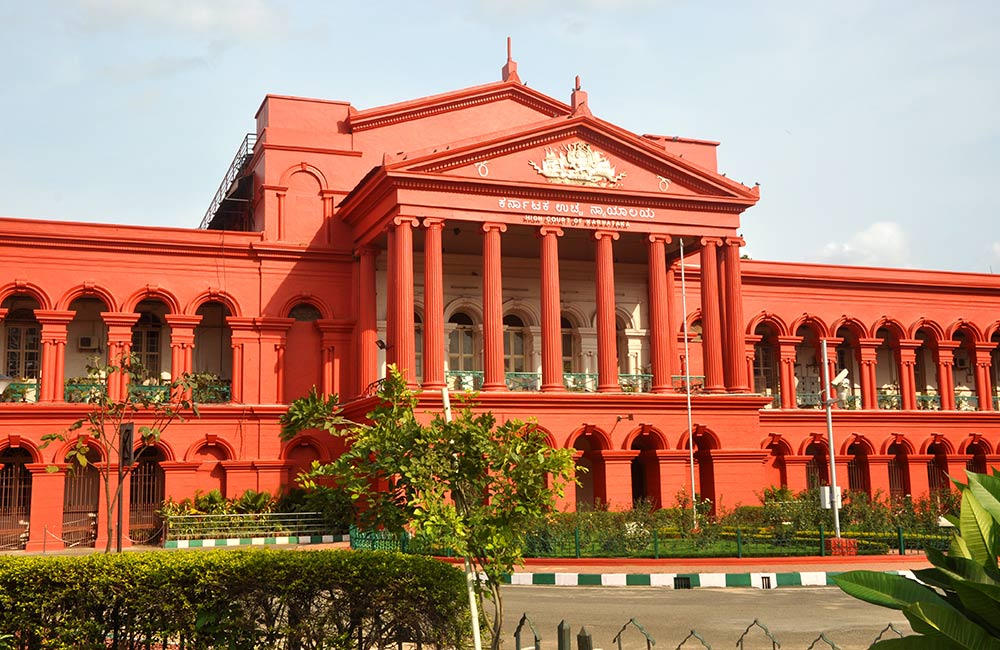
x=391 y=298
x=494 y=377
x=736 y=368
x=243 y=334
x=119 y=347
x=673 y=354
x=659 y=314
x=607 y=346
x=404 y=326
x=367 y=319
x=711 y=319
x=433 y=306
x=54 y=329
x=552 y=352
x=907 y=376
x=984 y=360
x=869 y=385
x=787 y=352
x=181 y=347
x=944 y=356
x=831 y=365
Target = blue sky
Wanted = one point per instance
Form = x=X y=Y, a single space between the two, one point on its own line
x=872 y=127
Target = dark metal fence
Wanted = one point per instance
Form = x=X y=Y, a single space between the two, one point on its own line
x=638 y=541
x=756 y=633
x=269 y=524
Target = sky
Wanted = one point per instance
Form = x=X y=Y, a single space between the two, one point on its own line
x=872 y=127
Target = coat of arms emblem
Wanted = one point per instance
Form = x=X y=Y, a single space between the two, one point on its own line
x=577 y=164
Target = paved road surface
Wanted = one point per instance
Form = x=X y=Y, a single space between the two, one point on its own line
x=795 y=616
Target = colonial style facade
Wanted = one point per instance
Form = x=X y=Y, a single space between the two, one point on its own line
x=497 y=239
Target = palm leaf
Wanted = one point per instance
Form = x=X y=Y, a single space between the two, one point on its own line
x=945 y=623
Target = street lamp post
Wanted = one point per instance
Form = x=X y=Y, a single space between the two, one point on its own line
x=828 y=401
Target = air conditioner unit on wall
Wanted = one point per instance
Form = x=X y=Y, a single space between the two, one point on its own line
x=86 y=343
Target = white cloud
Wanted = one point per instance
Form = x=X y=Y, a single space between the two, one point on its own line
x=230 y=20
x=881 y=244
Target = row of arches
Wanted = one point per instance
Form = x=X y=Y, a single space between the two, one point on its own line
x=147 y=486
x=155 y=330
x=891 y=367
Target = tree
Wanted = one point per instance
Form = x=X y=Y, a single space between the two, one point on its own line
x=471 y=486
x=955 y=604
x=109 y=420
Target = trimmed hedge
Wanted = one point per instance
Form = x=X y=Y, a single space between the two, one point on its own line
x=231 y=599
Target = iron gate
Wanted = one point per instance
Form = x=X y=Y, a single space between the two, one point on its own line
x=81 y=500
x=147 y=491
x=15 y=498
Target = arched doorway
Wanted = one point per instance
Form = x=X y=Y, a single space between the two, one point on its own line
x=765 y=364
x=15 y=498
x=213 y=353
x=937 y=468
x=818 y=465
x=81 y=502
x=303 y=361
x=977 y=457
x=899 y=471
x=591 y=490
x=147 y=485
x=858 y=474
x=645 y=468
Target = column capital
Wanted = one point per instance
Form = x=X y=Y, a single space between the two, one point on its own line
x=240 y=324
x=656 y=238
x=273 y=324
x=948 y=345
x=711 y=241
x=368 y=249
x=832 y=341
x=401 y=219
x=53 y=316
x=606 y=234
x=179 y=321
x=549 y=230
x=735 y=241
x=489 y=226
x=3 y=312
x=910 y=344
x=119 y=318
x=433 y=222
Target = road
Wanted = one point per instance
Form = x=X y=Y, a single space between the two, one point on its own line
x=795 y=616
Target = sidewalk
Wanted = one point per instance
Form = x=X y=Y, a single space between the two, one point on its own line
x=683 y=573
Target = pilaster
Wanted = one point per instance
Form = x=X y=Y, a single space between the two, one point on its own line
x=119 y=347
x=367 y=319
x=244 y=335
x=273 y=337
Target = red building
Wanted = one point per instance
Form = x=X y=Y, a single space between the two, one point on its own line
x=492 y=238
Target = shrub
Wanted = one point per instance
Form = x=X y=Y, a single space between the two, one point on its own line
x=231 y=599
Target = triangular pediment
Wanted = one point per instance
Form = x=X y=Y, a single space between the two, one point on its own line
x=579 y=152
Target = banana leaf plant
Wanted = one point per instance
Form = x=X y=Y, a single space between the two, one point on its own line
x=955 y=603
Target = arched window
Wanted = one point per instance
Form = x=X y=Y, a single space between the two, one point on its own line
x=765 y=363
x=621 y=347
x=515 y=344
x=81 y=496
x=23 y=345
x=304 y=313
x=937 y=468
x=817 y=468
x=857 y=468
x=460 y=355
x=977 y=458
x=146 y=337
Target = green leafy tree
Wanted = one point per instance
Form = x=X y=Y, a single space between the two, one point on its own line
x=956 y=603
x=154 y=408
x=469 y=485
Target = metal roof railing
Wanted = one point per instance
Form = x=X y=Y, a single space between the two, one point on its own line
x=243 y=154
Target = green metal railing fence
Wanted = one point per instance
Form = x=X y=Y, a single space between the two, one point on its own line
x=270 y=524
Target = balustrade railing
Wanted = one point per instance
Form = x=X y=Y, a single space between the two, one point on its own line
x=928 y=402
x=150 y=392
x=890 y=399
x=523 y=381
x=83 y=391
x=580 y=381
x=850 y=402
x=464 y=379
x=808 y=400
x=966 y=402
x=20 y=391
x=214 y=393
x=635 y=383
